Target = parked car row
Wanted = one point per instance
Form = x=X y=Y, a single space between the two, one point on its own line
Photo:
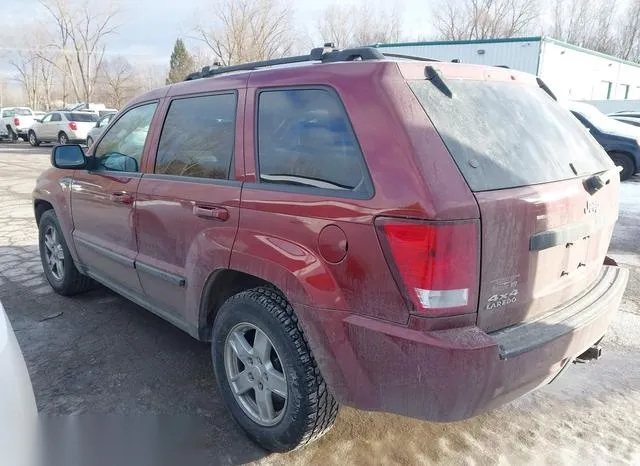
x=61 y=126
x=422 y=238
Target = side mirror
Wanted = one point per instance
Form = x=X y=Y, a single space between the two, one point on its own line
x=69 y=156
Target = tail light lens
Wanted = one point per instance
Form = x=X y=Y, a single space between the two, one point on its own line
x=16 y=121
x=435 y=263
x=73 y=126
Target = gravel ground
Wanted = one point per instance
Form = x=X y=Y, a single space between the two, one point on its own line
x=99 y=354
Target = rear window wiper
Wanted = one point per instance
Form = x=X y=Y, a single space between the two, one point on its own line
x=437 y=80
x=545 y=88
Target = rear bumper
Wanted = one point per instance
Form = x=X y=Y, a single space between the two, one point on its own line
x=449 y=375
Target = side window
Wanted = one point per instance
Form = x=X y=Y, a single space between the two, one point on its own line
x=198 y=137
x=122 y=145
x=305 y=139
x=47 y=118
x=56 y=117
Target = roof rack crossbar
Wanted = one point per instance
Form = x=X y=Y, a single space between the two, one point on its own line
x=409 y=57
x=326 y=54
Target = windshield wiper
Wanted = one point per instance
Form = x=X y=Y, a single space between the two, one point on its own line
x=437 y=80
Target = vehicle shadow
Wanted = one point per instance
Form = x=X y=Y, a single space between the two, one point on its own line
x=106 y=362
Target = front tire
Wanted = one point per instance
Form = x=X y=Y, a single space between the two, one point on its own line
x=266 y=373
x=33 y=139
x=58 y=265
x=89 y=141
x=63 y=138
x=624 y=161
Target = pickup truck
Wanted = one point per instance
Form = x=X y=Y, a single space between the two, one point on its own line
x=18 y=122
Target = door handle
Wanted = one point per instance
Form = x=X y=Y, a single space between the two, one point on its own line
x=122 y=198
x=217 y=213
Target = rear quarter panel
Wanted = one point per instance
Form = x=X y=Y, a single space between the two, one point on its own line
x=278 y=238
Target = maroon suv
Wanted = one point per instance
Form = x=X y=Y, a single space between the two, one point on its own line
x=416 y=237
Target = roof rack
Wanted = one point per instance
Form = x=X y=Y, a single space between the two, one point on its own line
x=326 y=54
x=409 y=57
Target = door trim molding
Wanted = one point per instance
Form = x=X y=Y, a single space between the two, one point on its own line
x=159 y=273
x=141 y=301
x=114 y=256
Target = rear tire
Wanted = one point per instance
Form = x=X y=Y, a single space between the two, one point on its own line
x=89 y=141
x=58 y=265
x=63 y=138
x=13 y=137
x=308 y=410
x=624 y=161
x=33 y=139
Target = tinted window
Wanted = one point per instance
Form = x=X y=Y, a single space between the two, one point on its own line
x=7 y=113
x=56 y=117
x=81 y=117
x=504 y=134
x=121 y=147
x=197 y=138
x=305 y=139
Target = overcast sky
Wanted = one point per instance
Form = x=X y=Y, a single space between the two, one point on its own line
x=148 y=28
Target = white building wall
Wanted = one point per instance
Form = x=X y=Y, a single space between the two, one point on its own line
x=575 y=74
x=520 y=55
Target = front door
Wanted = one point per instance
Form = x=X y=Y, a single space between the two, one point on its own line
x=103 y=202
x=188 y=206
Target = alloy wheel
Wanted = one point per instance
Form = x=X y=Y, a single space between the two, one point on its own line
x=255 y=375
x=54 y=253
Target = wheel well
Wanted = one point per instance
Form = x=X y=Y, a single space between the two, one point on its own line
x=220 y=286
x=625 y=154
x=40 y=208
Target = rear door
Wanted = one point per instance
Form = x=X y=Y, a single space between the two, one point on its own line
x=187 y=208
x=547 y=192
x=47 y=130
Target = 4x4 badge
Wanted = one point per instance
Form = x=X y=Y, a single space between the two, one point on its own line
x=592 y=207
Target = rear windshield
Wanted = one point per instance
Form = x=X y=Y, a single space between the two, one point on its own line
x=22 y=112
x=81 y=117
x=504 y=135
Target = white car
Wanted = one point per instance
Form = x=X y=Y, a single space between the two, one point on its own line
x=18 y=411
x=62 y=127
x=98 y=129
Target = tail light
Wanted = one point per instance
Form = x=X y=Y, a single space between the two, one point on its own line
x=73 y=126
x=436 y=264
x=16 y=121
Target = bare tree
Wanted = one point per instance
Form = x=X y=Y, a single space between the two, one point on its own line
x=485 y=19
x=365 y=23
x=80 y=32
x=120 y=85
x=629 y=42
x=588 y=23
x=335 y=25
x=247 y=30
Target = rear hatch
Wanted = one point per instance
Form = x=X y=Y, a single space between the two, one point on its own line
x=547 y=192
x=83 y=122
